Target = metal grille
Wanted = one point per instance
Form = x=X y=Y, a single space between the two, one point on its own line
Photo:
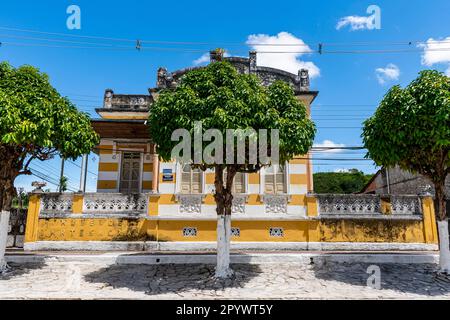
x=17 y=223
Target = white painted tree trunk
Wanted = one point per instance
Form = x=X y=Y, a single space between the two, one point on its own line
x=223 y=269
x=4 y=224
x=444 y=249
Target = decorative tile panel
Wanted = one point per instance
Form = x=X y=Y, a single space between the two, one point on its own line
x=275 y=204
x=115 y=203
x=406 y=205
x=189 y=232
x=349 y=204
x=276 y=232
x=238 y=206
x=56 y=202
x=235 y=232
x=190 y=203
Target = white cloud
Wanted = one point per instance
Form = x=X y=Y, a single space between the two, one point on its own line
x=289 y=57
x=390 y=73
x=204 y=58
x=356 y=22
x=327 y=146
x=432 y=56
x=341 y=170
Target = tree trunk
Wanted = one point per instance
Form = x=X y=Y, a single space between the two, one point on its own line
x=4 y=224
x=444 y=248
x=9 y=170
x=224 y=200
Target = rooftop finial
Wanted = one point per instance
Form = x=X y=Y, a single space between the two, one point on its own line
x=303 y=74
x=216 y=55
x=107 y=98
x=252 y=61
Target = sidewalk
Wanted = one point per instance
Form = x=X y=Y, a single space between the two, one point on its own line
x=237 y=256
x=69 y=275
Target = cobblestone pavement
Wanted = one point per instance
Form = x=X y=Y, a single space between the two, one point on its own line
x=268 y=281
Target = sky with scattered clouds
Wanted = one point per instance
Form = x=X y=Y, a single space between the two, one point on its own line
x=350 y=84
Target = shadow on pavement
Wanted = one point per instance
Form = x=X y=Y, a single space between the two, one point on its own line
x=170 y=278
x=19 y=269
x=420 y=279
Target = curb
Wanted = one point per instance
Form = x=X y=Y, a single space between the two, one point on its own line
x=253 y=258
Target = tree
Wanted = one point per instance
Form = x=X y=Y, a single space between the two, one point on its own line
x=36 y=122
x=63 y=184
x=340 y=182
x=411 y=128
x=221 y=98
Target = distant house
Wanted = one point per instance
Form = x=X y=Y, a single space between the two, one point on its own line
x=397 y=181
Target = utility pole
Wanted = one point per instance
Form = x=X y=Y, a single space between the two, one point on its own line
x=61 y=175
x=84 y=164
x=388 y=181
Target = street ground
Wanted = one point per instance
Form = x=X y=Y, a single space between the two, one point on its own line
x=328 y=280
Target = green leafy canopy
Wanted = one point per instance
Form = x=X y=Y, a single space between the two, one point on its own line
x=411 y=127
x=221 y=98
x=35 y=119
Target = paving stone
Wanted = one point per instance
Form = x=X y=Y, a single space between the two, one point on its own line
x=320 y=281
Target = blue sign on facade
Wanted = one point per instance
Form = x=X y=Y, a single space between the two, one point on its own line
x=167 y=175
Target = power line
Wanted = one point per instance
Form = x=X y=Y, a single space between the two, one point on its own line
x=77 y=165
x=50 y=174
x=124 y=48
x=165 y=42
x=96 y=45
x=47 y=178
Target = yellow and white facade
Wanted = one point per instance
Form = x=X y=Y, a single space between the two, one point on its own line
x=140 y=198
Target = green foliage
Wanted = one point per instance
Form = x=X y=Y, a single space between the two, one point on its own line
x=411 y=127
x=340 y=182
x=63 y=183
x=221 y=98
x=34 y=116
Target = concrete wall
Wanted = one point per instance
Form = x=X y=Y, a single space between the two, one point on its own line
x=75 y=226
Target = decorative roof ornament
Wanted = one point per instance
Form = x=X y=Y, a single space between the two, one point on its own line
x=252 y=61
x=164 y=78
x=303 y=74
x=426 y=191
x=216 y=55
x=38 y=185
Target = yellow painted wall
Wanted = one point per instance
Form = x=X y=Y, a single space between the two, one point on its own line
x=79 y=229
x=312 y=230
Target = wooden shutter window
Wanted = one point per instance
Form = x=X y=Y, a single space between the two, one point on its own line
x=191 y=180
x=239 y=183
x=274 y=183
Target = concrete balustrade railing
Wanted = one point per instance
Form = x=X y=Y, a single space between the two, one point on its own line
x=326 y=219
x=368 y=204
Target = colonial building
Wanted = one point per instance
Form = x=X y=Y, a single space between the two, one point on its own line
x=163 y=204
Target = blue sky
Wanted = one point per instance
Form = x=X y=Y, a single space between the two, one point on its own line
x=348 y=83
